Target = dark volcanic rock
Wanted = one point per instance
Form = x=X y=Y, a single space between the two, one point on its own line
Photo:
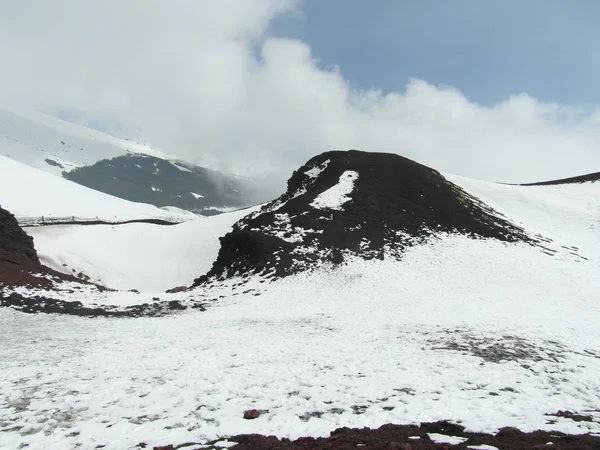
x=19 y=262
x=38 y=304
x=251 y=414
x=394 y=203
x=15 y=244
x=413 y=437
x=589 y=178
x=148 y=179
x=53 y=163
x=20 y=266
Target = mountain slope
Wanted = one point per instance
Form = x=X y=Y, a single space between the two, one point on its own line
x=148 y=179
x=591 y=177
x=355 y=203
x=120 y=167
x=52 y=145
x=31 y=195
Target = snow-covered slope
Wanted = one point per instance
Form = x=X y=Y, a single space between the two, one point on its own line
x=120 y=167
x=31 y=194
x=569 y=213
x=455 y=325
x=47 y=143
x=139 y=256
x=161 y=182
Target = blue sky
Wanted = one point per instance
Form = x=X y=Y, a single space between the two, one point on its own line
x=486 y=49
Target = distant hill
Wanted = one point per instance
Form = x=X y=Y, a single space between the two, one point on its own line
x=53 y=145
x=354 y=204
x=148 y=179
x=120 y=167
x=36 y=196
x=590 y=177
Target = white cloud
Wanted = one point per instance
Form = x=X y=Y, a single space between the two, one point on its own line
x=205 y=80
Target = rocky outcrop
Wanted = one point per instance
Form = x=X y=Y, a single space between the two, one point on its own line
x=426 y=436
x=160 y=182
x=21 y=268
x=589 y=178
x=15 y=245
x=353 y=203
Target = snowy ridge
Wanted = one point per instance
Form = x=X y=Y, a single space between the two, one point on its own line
x=31 y=194
x=119 y=167
x=47 y=143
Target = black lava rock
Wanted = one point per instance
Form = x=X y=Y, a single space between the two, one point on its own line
x=15 y=244
x=394 y=203
x=38 y=304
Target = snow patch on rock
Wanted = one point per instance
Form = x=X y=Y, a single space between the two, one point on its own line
x=336 y=196
x=316 y=171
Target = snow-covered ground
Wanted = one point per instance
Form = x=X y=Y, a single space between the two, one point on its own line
x=479 y=331
x=146 y=257
x=566 y=213
x=32 y=138
x=31 y=194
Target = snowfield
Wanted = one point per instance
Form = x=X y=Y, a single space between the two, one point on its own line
x=140 y=256
x=32 y=138
x=31 y=194
x=487 y=333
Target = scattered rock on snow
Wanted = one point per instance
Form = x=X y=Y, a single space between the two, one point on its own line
x=251 y=414
x=177 y=289
x=15 y=244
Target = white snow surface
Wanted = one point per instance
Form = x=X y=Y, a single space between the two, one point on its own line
x=482 y=447
x=32 y=137
x=142 y=256
x=181 y=212
x=31 y=194
x=444 y=439
x=316 y=171
x=337 y=195
x=416 y=335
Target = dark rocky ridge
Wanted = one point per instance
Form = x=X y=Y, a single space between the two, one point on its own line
x=15 y=245
x=395 y=203
x=20 y=266
x=589 y=178
x=19 y=262
x=148 y=179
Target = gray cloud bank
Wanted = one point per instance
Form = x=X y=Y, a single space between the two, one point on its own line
x=205 y=80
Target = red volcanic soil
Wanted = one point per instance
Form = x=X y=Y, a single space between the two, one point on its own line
x=409 y=437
